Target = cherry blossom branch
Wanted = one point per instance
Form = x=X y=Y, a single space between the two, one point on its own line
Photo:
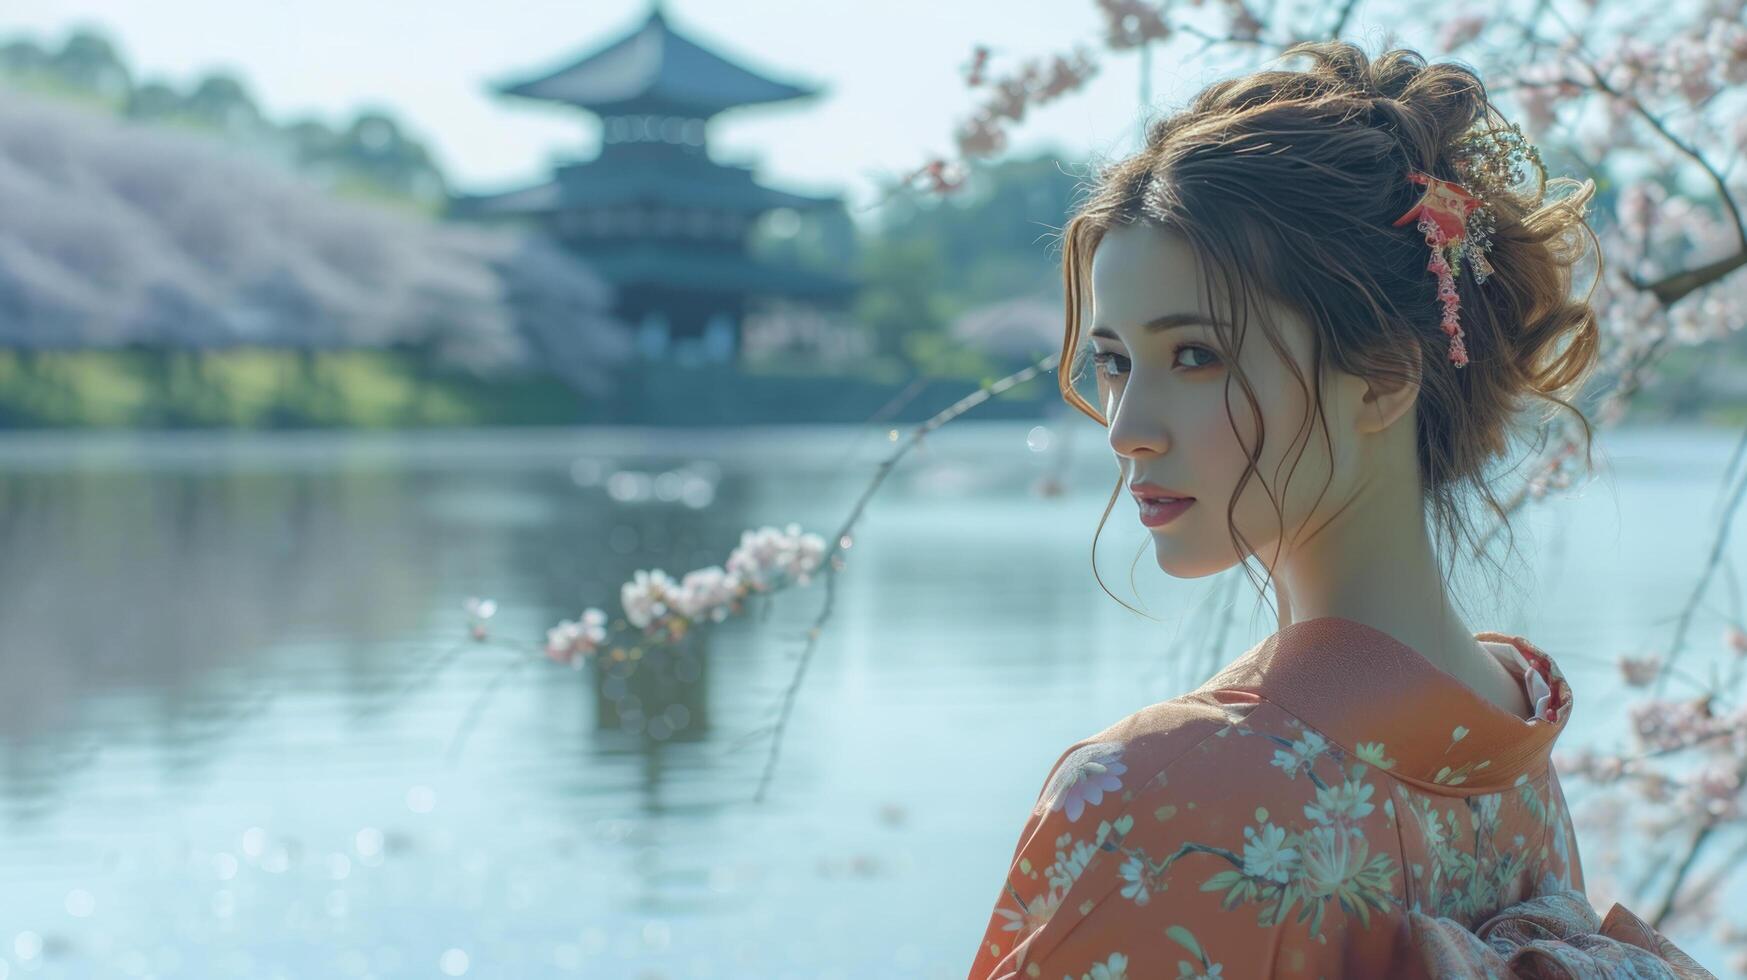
x=1666 y=905
x=1718 y=541
x=842 y=538
x=1722 y=872
x=1655 y=122
x=420 y=677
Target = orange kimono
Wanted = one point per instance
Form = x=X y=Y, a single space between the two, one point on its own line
x=1288 y=818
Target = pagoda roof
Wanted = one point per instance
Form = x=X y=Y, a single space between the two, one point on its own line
x=675 y=181
x=682 y=268
x=655 y=69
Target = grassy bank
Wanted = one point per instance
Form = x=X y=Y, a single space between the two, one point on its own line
x=247 y=388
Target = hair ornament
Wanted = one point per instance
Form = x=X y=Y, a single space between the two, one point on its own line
x=1455 y=216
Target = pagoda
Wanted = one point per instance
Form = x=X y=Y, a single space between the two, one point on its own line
x=653 y=215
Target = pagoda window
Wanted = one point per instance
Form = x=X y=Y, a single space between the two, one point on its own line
x=653 y=337
x=677 y=130
x=717 y=343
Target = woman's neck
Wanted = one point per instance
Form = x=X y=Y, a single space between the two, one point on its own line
x=1373 y=563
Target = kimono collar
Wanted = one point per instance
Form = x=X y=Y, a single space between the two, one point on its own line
x=1384 y=702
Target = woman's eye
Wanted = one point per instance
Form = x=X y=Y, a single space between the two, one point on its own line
x=1211 y=356
x=1113 y=365
x=1105 y=360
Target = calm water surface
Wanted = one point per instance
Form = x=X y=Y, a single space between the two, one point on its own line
x=228 y=741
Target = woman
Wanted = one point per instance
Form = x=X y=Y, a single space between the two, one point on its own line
x=1374 y=775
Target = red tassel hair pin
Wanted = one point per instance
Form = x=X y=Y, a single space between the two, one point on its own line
x=1442 y=214
x=1458 y=219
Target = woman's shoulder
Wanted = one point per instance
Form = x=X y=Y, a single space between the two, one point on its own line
x=1211 y=739
x=1216 y=811
x=1126 y=755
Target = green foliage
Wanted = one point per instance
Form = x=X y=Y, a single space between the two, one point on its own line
x=995 y=237
x=925 y=260
x=929 y=260
x=249 y=388
x=902 y=294
x=935 y=355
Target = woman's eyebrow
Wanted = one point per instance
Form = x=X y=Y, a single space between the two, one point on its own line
x=1159 y=324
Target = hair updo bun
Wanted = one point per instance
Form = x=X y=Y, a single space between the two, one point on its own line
x=1296 y=177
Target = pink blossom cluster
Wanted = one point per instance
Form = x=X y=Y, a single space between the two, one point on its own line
x=1691 y=66
x=1037 y=82
x=649 y=596
x=574 y=641
x=1127 y=24
x=1658 y=234
x=1710 y=789
x=767 y=559
x=1713 y=790
x=768 y=556
x=1653 y=235
x=1460 y=30
x=1602 y=767
x=973 y=76
x=1640 y=671
x=942 y=177
x=1132 y=23
x=1552 y=473
x=1663 y=724
x=479 y=611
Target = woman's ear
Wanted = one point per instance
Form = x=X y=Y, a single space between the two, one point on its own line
x=1387 y=399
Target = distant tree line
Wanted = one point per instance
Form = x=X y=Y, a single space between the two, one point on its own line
x=371 y=155
x=147 y=278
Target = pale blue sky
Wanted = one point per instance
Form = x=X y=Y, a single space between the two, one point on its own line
x=891 y=69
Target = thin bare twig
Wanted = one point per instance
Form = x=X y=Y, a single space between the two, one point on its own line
x=422 y=675
x=1666 y=905
x=459 y=739
x=1718 y=542
x=828 y=565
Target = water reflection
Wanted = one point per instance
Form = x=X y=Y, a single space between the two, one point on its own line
x=251 y=633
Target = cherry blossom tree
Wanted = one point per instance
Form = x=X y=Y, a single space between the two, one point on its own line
x=122 y=234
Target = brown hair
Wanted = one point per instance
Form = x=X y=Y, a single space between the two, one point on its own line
x=1295 y=178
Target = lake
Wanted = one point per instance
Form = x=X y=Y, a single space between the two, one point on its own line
x=238 y=667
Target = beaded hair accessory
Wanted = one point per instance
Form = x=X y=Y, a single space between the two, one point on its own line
x=1457 y=219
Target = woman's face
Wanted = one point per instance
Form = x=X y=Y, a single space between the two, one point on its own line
x=1164 y=392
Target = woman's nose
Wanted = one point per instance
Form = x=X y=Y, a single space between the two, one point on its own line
x=1135 y=432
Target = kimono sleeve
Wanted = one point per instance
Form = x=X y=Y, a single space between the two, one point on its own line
x=1184 y=876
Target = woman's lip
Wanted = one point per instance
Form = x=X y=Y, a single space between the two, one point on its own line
x=1157 y=515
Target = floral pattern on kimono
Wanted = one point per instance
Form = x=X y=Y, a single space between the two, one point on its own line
x=1285 y=819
